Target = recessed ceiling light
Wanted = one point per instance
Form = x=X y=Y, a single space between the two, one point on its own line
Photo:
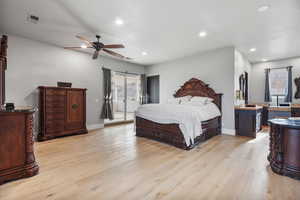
x=252 y=49
x=263 y=8
x=144 y=53
x=83 y=46
x=119 y=22
x=202 y=34
x=264 y=60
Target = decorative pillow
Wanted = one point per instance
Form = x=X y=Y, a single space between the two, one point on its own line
x=209 y=100
x=202 y=100
x=184 y=99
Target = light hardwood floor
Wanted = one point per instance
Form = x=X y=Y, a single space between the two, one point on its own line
x=113 y=164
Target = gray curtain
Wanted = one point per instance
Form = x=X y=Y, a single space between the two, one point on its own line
x=267 y=86
x=289 y=94
x=143 y=89
x=107 y=112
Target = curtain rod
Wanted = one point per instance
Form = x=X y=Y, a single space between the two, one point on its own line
x=280 y=67
x=126 y=72
x=123 y=72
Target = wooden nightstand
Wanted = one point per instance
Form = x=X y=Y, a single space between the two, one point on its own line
x=295 y=111
x=248 y=120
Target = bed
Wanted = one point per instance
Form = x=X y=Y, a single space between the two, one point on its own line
x=171 y=133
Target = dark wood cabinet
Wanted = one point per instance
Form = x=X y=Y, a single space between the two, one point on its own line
x=17 y=158
x=62 y=112
x=3 y=66
x=295 y=111
x=284 y=156
x=248 y=121
x=265 y=115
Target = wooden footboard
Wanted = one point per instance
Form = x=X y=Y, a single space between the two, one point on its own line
x=171 y=133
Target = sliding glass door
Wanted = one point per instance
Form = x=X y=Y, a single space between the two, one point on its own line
x=125 y=95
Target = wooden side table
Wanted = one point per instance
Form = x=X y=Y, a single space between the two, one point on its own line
x=17 y=158
x=248 y=120
x=284 y=156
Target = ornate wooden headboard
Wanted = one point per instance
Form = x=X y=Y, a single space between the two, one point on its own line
x=196 y=87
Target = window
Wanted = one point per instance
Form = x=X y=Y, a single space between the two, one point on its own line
x=278 y=81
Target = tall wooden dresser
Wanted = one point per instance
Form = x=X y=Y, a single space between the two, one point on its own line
x=62 y=112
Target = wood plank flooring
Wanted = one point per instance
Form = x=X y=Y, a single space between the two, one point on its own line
x=114 y=164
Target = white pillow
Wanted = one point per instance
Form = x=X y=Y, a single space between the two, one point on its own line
x=184 y=99
x=209 y=100
x=195 y=103
x=173 y=101
x=202 y=100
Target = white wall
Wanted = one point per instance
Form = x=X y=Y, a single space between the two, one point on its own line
x=241 y=65
x=32 y=64
x=257 y=84
x=214 y=67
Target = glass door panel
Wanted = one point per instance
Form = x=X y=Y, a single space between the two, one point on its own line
x=133 y=83
x=118 y=97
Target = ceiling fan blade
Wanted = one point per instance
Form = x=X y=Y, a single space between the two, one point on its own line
x=76 y=47
x=72 y=47
x=95 y=55
x=85 y=40
x=114 y=46
x=113 y=53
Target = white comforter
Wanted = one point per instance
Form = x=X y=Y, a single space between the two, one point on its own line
x=188 y=117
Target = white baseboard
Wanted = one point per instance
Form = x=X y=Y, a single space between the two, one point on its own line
x=227 y=131
x=92 y=127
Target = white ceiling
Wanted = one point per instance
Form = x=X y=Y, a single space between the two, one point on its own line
x=165 y=29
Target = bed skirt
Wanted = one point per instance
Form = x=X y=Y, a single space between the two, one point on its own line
x=171 y=133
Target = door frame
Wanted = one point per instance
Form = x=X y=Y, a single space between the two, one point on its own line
x=151 y=76
x=125 y=120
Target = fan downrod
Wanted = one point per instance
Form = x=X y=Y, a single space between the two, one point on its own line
x=98 y=37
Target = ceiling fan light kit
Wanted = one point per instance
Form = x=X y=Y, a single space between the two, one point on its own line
x=99 y=46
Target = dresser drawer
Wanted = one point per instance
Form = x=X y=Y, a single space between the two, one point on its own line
x=295 y=112
x=55 y=104
x=57 y=92
x=55 y=116
x=55 y=132
x=55 y=99
x=55 y=126
x=51 y=109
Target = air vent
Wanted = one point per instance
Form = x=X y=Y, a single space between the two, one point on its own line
x=33 y=19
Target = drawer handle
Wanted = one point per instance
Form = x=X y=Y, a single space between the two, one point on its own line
x=74 y=106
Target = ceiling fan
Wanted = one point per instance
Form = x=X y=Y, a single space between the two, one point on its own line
x=98 y=46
